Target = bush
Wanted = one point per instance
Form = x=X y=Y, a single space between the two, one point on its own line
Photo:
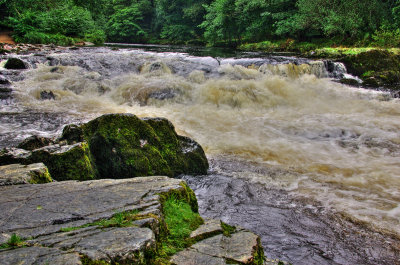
x=97 y=37
x=36 y=37
x=385 y=37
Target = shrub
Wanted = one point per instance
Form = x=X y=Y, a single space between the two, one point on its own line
x=385 y=37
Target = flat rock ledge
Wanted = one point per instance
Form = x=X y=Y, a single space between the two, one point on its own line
x=55 y=219
x=239 y=246
x=59 y=223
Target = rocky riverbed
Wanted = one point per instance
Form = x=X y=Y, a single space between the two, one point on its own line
x=286 y=140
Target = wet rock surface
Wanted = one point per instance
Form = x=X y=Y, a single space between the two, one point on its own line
x=24 y=174
x=239 y=247
x=290 y=228
x=34 y=142
x=15 y=63
x=40 y=211
x=59 y=224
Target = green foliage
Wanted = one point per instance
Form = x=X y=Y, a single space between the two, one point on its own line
x=227 y=229
x=120 y=219
x=217 y=22
x=181 y=221
x=97 y=37
x=124 y=24
x=386 y=37
x=15 y=241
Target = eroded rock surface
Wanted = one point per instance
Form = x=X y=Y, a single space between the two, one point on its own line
x=24 y=174
x=240 y=247
x=43 y=212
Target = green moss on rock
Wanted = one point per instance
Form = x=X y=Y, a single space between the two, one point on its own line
x=40 y=176
x=376 y=67
x=124 y=146
x=71 y=163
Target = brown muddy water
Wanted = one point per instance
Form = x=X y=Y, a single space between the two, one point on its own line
x=311 y=165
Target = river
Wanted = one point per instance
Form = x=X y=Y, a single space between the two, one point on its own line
x=311 y=165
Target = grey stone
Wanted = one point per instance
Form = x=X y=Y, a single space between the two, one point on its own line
x=239 y=247
x=39 y=256
x=192 y=257
x=13 y=156
x=121 y=245
x=24 y=174
x=209 y=228
x=35 y=210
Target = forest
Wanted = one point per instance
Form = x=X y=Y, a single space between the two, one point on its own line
x=204 y=22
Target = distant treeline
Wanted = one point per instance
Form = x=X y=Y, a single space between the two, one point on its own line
x=213 y=22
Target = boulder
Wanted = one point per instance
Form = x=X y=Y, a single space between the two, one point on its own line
x=123 y=146
x=113 y=146
x=24 y=174
x=34 y=142
x=376 y=68
x=70 y=162
x=15 y=63
x=14 y=156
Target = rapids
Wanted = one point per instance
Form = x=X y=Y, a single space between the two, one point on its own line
x=336 y=146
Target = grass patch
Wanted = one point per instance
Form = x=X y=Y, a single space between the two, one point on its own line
x=15 y=241
x=180 y=221
x=120 y=219
x=228 y=230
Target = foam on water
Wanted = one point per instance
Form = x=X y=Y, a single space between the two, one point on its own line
x=341 y=144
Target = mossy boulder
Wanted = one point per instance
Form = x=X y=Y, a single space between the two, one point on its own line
x=124 y=146
x=376 y=68
x=71 y=162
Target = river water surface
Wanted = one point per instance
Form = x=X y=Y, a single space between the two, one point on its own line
x=311 y=165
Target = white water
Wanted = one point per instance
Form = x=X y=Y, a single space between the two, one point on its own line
x=336 y=144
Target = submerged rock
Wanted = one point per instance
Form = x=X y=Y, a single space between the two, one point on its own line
x=15 y=63
x=4 y=81
x=34 y=142
x=47 y=95
x=24 y=174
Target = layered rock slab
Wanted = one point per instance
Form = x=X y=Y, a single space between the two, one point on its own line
x=238 y=247
x=34 y=210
